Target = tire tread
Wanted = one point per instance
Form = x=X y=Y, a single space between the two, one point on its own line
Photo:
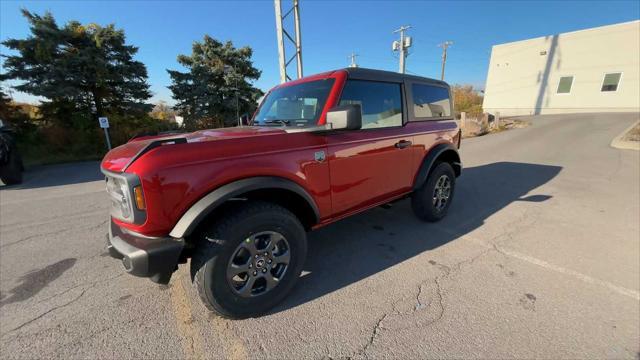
x=207 y=249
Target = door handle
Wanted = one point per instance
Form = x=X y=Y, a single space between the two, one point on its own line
x=403 y=144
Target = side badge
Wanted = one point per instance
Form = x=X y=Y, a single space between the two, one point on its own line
x=320 y=156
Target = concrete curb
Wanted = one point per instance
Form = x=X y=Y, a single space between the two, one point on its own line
x=618 y=143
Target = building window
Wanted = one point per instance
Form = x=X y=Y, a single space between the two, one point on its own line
x=564 y=86
x=611 y=81
x=430 y=101
x=381 y=102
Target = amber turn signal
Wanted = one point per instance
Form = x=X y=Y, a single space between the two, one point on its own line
x=139 y=198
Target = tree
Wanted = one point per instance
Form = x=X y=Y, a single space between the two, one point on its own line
x=17 y=116
x=467 y=99
x=5 y=105
x=162 y=111
x=206 y=92
x=80 y=69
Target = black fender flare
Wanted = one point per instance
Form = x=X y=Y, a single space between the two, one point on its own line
x=203 y=207
x=430 y=160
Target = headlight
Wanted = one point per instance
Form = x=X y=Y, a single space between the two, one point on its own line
x=121 y=205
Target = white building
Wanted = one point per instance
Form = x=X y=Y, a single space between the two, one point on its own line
x=592 y=70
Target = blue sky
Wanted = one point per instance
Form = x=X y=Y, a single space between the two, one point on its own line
x=331 y=30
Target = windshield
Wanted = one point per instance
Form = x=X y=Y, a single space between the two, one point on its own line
x=294 y=105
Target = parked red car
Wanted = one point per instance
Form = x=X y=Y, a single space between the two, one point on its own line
x=239 y=201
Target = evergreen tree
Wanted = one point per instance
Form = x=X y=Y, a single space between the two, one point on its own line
x=206 y=92
x=83 y=71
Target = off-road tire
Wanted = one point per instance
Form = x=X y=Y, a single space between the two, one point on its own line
x=217 y=243
x=11 y=172
x=422 y=199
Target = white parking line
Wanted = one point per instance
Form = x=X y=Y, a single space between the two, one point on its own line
x=523 y=257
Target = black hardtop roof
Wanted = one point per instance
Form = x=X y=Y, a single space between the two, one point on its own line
x=381 y=75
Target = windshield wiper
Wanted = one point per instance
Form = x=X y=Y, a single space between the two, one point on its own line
x=277 y=121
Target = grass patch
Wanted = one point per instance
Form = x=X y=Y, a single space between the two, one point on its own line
x=51 y=159
x=633 y=134
x=475 y=128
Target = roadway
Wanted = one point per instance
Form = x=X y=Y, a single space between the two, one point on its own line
x=539 y=257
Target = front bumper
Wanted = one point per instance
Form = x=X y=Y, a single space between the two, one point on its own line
x=152 y=257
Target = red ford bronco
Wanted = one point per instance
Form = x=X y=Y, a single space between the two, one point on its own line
x=239 y=201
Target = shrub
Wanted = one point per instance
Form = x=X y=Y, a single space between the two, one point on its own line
x=467 y=99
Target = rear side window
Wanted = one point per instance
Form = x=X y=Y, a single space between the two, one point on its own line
x=430 y=101
x=381 y=102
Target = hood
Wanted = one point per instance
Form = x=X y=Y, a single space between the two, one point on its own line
x=118 y=159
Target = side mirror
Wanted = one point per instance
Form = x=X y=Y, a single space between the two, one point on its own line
x=345 y=117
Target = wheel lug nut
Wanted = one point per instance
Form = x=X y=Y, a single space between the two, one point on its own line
x=264 y=270
x=255 y=273
x=250 y=266
x=266 y=254
x=269 y=261
x=256 y=256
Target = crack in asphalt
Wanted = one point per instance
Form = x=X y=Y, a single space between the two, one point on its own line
x=79 y=285
x=91 y=286
x=47 y=312
x=419 y=303
x=34 y=236
x=515 y=226
x=97 y=226
x=30 y=237
x=372 y=338
x=51 y=220
x=446 y=271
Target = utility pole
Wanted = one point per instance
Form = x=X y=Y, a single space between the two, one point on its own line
x=353 y=60
x=237 y=101
x=231 y=70
x=402 y=46
x=282 y=33
x=444 y=47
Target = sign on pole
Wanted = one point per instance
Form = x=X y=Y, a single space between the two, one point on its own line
x=104 y=123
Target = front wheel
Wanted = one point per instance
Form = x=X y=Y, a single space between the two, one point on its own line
x=431 y=201
x=248 y=261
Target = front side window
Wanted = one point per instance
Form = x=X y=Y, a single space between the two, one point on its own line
x=564 y=86
x=430 y=101
x=294 y=105
x=381 y=102
x=610 y=82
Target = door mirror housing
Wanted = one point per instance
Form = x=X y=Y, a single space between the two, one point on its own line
x=345 y=117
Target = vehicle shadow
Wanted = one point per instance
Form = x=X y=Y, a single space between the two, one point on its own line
x=56 y=175
x=363 y=245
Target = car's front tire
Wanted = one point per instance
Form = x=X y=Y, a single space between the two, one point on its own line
x=432 y=200
x=248 y=261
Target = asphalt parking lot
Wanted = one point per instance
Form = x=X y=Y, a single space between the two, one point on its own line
x=538 y=258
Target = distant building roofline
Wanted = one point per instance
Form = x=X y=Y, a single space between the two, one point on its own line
x=570 y=32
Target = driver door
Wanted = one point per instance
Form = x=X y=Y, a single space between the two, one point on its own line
x=374 y=163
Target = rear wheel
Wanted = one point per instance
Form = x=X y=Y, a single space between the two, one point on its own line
x=11 y=172
x=247 y=262
x=431 y=202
